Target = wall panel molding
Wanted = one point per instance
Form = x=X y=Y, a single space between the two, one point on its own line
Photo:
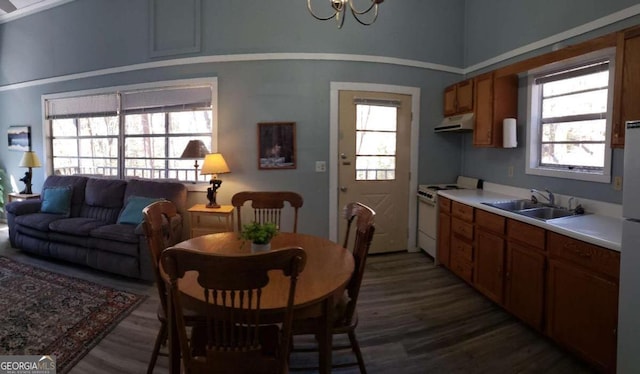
x=165 y=38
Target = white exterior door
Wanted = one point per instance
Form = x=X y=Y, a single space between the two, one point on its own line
x=374 y=144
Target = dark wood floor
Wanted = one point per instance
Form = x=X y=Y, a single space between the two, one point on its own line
x=414 y=318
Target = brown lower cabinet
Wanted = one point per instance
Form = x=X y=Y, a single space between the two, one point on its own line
x=525 y=283
x=565 y=288
x=444 y=231
x=582 y=299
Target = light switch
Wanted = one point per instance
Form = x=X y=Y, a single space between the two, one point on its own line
x=321 y=166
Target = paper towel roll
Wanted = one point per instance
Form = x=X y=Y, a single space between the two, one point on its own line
x=509 y=139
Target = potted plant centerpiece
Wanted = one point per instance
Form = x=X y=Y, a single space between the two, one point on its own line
x=260 y=235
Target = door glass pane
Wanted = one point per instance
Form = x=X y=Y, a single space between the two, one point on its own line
x=375 y=142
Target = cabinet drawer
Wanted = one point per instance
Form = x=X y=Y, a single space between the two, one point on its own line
x=464 y=229
x=461 y=249
x=464 y=212
x=528 y=234
x=588 y=255
x=462 y=268
x=489 y=221
x=444 y=204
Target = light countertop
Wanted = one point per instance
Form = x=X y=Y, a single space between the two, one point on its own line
x=596 y=229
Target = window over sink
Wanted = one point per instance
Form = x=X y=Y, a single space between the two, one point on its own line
x=569 y=118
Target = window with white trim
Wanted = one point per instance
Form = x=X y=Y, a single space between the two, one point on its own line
x=569 y=119
x=130 y=132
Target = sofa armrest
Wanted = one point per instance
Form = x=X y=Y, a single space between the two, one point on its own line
x=19 y=208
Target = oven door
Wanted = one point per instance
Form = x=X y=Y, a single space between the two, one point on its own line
x=427 y=226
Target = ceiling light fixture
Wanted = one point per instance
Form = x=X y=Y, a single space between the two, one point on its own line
x=340 y=7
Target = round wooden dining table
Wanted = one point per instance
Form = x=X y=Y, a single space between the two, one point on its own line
x=326 y=274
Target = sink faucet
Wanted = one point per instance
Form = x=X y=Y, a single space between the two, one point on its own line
x=550 y=198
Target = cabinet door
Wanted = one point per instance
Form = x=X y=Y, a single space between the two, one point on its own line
x=489 y=265
x=464 y=96
x=525 y=283
x=627 y=84
x=444 y=239
x=450 y=101
x=582 y=311
x=483 y=131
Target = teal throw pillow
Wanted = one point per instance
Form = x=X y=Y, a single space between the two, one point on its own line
x=56 y=200
x=132 y=212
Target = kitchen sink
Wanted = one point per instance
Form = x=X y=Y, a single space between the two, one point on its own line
x=513 y=205
x=532 y=209
x=546 y=213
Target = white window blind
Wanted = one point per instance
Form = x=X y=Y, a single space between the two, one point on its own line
x=82 y=106
x=166 y=99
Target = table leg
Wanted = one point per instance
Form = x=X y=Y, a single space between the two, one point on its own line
x=325 y=336
x=172 y=342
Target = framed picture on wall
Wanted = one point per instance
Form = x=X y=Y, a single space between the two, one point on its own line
x=19 y=138
x=277 y=145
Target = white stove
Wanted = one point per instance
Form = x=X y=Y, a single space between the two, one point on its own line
x=428 y=211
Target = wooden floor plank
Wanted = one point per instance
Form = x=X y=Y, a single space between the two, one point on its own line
x=414 y=318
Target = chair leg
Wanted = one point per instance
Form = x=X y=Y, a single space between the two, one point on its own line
x=160 y=339
x=356 y=349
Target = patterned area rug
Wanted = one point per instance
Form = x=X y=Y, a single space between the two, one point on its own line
x=44 y=313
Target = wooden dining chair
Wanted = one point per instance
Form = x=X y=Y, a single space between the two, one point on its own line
x=233 y=340
x=345 y=315
x=156 y=218
x=268 y=206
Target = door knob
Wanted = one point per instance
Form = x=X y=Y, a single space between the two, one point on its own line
x=343 y=156
x=343 y=189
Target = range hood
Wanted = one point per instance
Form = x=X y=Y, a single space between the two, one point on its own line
x=461 y=122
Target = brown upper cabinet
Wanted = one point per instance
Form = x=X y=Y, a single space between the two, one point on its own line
x=627 y=84
x=458 y=98
x=496 y=99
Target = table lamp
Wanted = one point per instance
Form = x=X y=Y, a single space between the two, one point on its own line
x=195 y=149
x=29 y=160
x=214 y=164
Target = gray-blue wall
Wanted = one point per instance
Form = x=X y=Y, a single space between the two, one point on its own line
x=495 y=27
x=89 y=35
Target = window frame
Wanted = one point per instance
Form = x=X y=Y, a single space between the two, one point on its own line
x=210 y=81
x=534 y=125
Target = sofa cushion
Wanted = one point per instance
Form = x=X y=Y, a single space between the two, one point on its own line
x=78 y=226
x=132 y=212
x=57 y=200
x=116 y=233
x=77 y=184
x=173 y=191
x=37 y=221
x=107 y=193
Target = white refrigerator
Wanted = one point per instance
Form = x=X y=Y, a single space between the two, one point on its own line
x=629 y=296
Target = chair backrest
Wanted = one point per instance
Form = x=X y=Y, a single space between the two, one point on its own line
x=364 y=229
x=157 y=218
x=267 y=206
x=234 y=341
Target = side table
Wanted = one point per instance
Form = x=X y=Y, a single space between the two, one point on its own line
x=210 y=220
x=14 y=196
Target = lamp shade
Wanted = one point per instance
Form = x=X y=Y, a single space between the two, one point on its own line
x=195 y=149
x=214 y=163
x=30 y=160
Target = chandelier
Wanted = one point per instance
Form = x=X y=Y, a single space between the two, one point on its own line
x=340 y=7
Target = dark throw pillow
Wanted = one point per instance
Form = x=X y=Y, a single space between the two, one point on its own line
x=132 y=212
x=57 y=200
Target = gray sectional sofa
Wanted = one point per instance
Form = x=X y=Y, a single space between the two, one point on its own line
x=92 y=229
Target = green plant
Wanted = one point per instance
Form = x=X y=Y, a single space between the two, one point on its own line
x=259 y=233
